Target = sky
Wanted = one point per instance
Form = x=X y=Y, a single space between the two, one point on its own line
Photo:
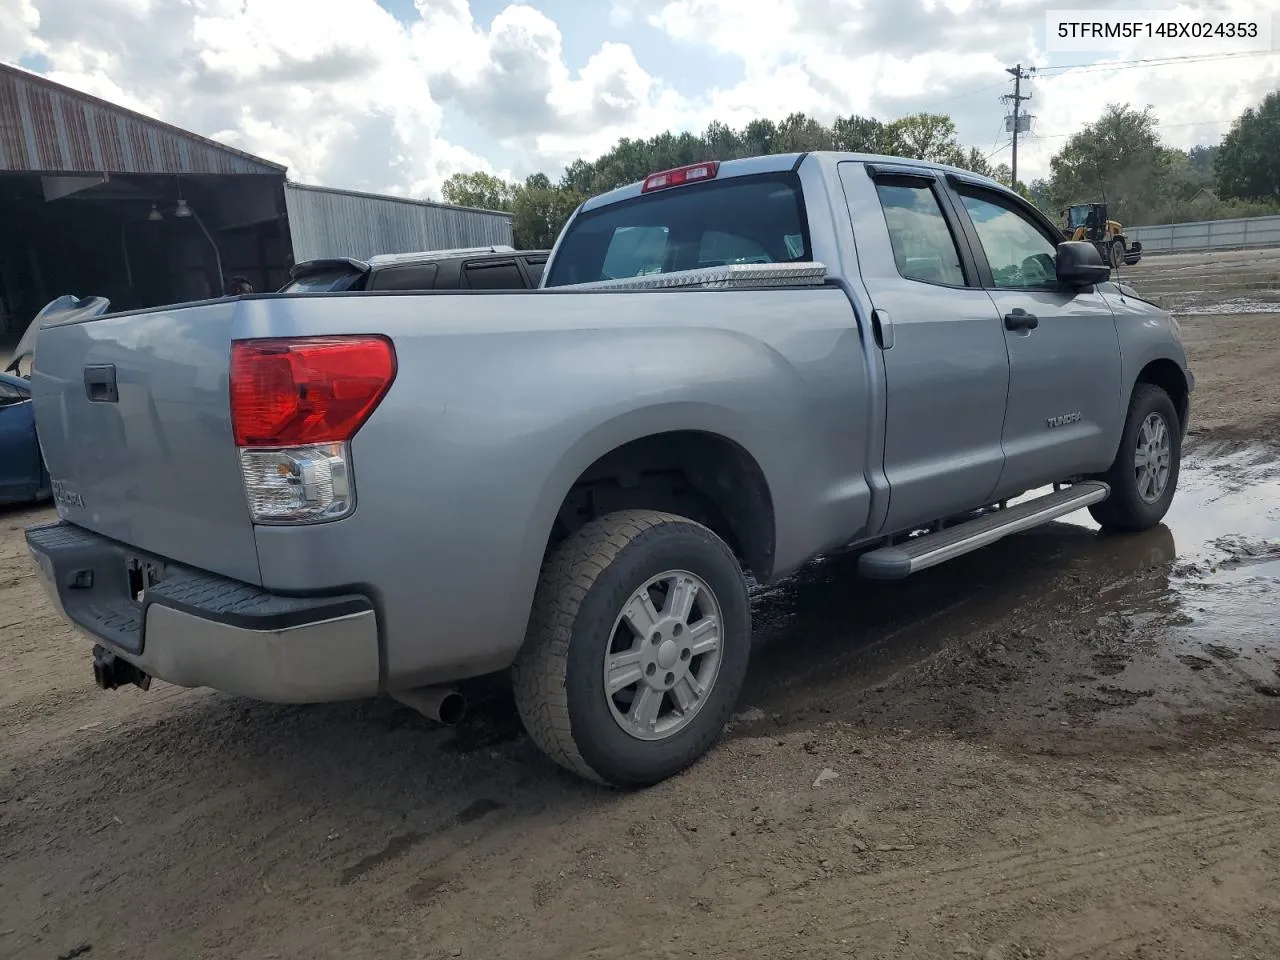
x=396 y=95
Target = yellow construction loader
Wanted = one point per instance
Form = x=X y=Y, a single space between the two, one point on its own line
x=1088 y=221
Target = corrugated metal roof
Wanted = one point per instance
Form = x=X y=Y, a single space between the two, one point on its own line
x=48 y=128
x=327 y=223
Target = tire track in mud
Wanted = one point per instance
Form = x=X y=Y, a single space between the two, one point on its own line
x=1042 y=872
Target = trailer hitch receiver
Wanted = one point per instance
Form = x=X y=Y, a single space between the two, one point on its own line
x=111 y=672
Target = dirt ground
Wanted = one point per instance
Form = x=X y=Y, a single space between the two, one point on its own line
x=1064 y=746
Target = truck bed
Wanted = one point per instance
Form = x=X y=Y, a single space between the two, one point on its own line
x=440 y=468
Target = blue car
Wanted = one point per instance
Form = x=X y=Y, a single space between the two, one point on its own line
x=23 y=477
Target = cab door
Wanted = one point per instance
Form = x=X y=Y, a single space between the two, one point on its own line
x=1065 y=392
x=946 y=368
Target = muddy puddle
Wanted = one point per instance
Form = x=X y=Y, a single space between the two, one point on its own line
x=1063 y=623
x=1182 y=305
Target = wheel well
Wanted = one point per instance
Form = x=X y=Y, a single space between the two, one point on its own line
x=1167 y=375
x=702 y=476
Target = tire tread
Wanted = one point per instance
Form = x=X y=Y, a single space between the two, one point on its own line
x=1116 y=512
x=539 y=673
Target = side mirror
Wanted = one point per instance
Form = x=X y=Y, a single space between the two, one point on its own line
x=1080 y=264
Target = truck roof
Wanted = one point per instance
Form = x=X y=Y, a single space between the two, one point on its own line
x=778 y=162
x=385 y=259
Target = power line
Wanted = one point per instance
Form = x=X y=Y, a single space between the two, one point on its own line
x=1154 y=61
x=1116 y=65
x=1158 y=126
x=1019 y=75
x=970 y=93
x=999 y=149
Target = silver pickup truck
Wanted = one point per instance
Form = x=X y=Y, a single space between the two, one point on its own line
x=730 y=369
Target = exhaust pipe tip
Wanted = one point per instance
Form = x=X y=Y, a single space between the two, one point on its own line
x=452 y=708
x=442 y=704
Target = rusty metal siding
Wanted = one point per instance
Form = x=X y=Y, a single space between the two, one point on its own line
x=338 y=223
x=49 y=128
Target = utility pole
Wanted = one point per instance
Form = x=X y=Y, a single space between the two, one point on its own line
x=1017 y=97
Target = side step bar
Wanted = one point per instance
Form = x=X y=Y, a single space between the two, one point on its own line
x=931 y=549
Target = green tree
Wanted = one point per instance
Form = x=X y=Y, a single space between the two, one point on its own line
x=478 y=189
x=799 y=132
x=1248 y=165
x=925 y=136
x=1202 y=159
x=540 y=211
x=1119 y=158
x=859 y=135
x=976 y=162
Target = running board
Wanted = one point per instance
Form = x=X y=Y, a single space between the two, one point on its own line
x=931 y=549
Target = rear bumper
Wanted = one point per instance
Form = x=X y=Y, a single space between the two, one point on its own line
x=196 y=629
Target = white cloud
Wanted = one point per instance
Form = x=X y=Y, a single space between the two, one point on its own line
x=338 y=90
x=887 y=58
x=17 y=21
x=346 y=94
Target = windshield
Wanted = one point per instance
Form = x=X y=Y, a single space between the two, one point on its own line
x=756 y=219
x=1076 y=216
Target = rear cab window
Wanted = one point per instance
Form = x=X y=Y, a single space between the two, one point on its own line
x=923 y=246
x=748 y=219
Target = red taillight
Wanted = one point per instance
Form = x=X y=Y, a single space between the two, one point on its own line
x=292 y=392
x=681 y=175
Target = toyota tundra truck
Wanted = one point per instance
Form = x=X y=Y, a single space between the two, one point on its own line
x=729 y=369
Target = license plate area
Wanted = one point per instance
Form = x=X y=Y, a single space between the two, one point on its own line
x=141 y=574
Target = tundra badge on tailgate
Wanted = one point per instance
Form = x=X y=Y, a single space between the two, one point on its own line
x=64 y=496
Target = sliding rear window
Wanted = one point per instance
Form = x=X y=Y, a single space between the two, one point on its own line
x=756 y=219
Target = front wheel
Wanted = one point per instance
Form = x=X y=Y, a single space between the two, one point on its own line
x=637 y=648
x=1117 y=253
x=1144 y=476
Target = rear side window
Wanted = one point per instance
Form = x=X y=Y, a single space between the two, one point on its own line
x=501 y=275
x=923 y=247
x=535 y=268
x=406 y=276
x=757 y=219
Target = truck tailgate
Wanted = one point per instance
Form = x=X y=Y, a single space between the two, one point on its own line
x=133 y=416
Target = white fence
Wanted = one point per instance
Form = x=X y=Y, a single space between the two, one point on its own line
x=1208 y=235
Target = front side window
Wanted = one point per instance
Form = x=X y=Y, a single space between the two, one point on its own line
x=923 y=247
x=753 y=219
x=1021 y=257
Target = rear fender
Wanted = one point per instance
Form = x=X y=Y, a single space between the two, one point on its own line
x=616 y=432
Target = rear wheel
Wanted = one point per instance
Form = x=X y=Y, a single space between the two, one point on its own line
x=637 y=648
x=1144 y=476
x=1117 y=253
